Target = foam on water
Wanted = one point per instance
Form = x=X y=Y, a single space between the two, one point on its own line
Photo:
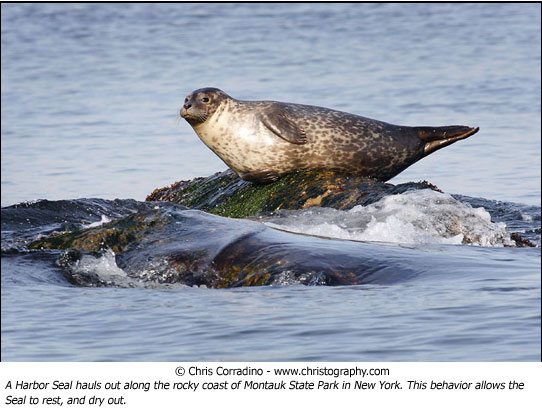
x=105 y=267
x=104 y=220
x=416 y=217
x=526 y=217
x=103 y=270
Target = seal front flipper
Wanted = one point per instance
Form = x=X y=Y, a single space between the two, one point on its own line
x=276 y=119
x=436 y=138
x=260 y=177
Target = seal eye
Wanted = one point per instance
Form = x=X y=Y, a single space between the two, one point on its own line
x=185 y=100
x=205 y=99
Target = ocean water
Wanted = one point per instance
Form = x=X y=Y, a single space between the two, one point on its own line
x=90 y=99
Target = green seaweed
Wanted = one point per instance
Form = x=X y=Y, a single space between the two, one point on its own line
x=226 y=195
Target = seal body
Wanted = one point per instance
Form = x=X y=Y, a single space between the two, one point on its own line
x=260 y=140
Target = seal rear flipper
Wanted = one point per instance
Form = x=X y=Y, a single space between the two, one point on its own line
x=436 y=138
x=276 y=119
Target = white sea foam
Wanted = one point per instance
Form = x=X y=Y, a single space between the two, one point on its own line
x=106 y=270
x=105 y=267
x=415 y=217
x=526 y=217
x=104 y=220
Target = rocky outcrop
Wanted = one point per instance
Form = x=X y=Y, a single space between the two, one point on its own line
x=226 y=194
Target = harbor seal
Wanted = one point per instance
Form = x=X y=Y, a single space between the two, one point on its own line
x=261 y=140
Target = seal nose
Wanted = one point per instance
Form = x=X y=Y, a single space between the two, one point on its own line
x=187 y=106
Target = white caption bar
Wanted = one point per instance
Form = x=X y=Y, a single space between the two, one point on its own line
x=269 y=385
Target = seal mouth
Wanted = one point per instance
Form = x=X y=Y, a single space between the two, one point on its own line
x=192 y=117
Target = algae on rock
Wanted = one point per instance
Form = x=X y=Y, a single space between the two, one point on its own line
x=225 y=194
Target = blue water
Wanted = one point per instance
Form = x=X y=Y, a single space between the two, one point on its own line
x=90 y=99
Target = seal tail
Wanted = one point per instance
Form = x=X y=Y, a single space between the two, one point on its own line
x=436 y=138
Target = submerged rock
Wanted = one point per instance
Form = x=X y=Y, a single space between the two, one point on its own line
x=169 y=244
x=225 y=194
x=22 y=223
x=159 y=243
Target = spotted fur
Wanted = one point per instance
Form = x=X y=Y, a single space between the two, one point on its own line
x=260 y=140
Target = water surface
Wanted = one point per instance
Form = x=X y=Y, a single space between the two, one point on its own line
x=90 y=99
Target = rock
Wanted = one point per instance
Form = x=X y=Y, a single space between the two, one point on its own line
x=168 y=244
x=226 y=194
x=174 y=238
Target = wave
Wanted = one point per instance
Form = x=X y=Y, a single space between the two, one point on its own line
x=415 y=217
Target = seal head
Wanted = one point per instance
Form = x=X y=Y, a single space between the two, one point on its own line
x=200 y=104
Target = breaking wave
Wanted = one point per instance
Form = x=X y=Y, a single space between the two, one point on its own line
x=416 y=217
